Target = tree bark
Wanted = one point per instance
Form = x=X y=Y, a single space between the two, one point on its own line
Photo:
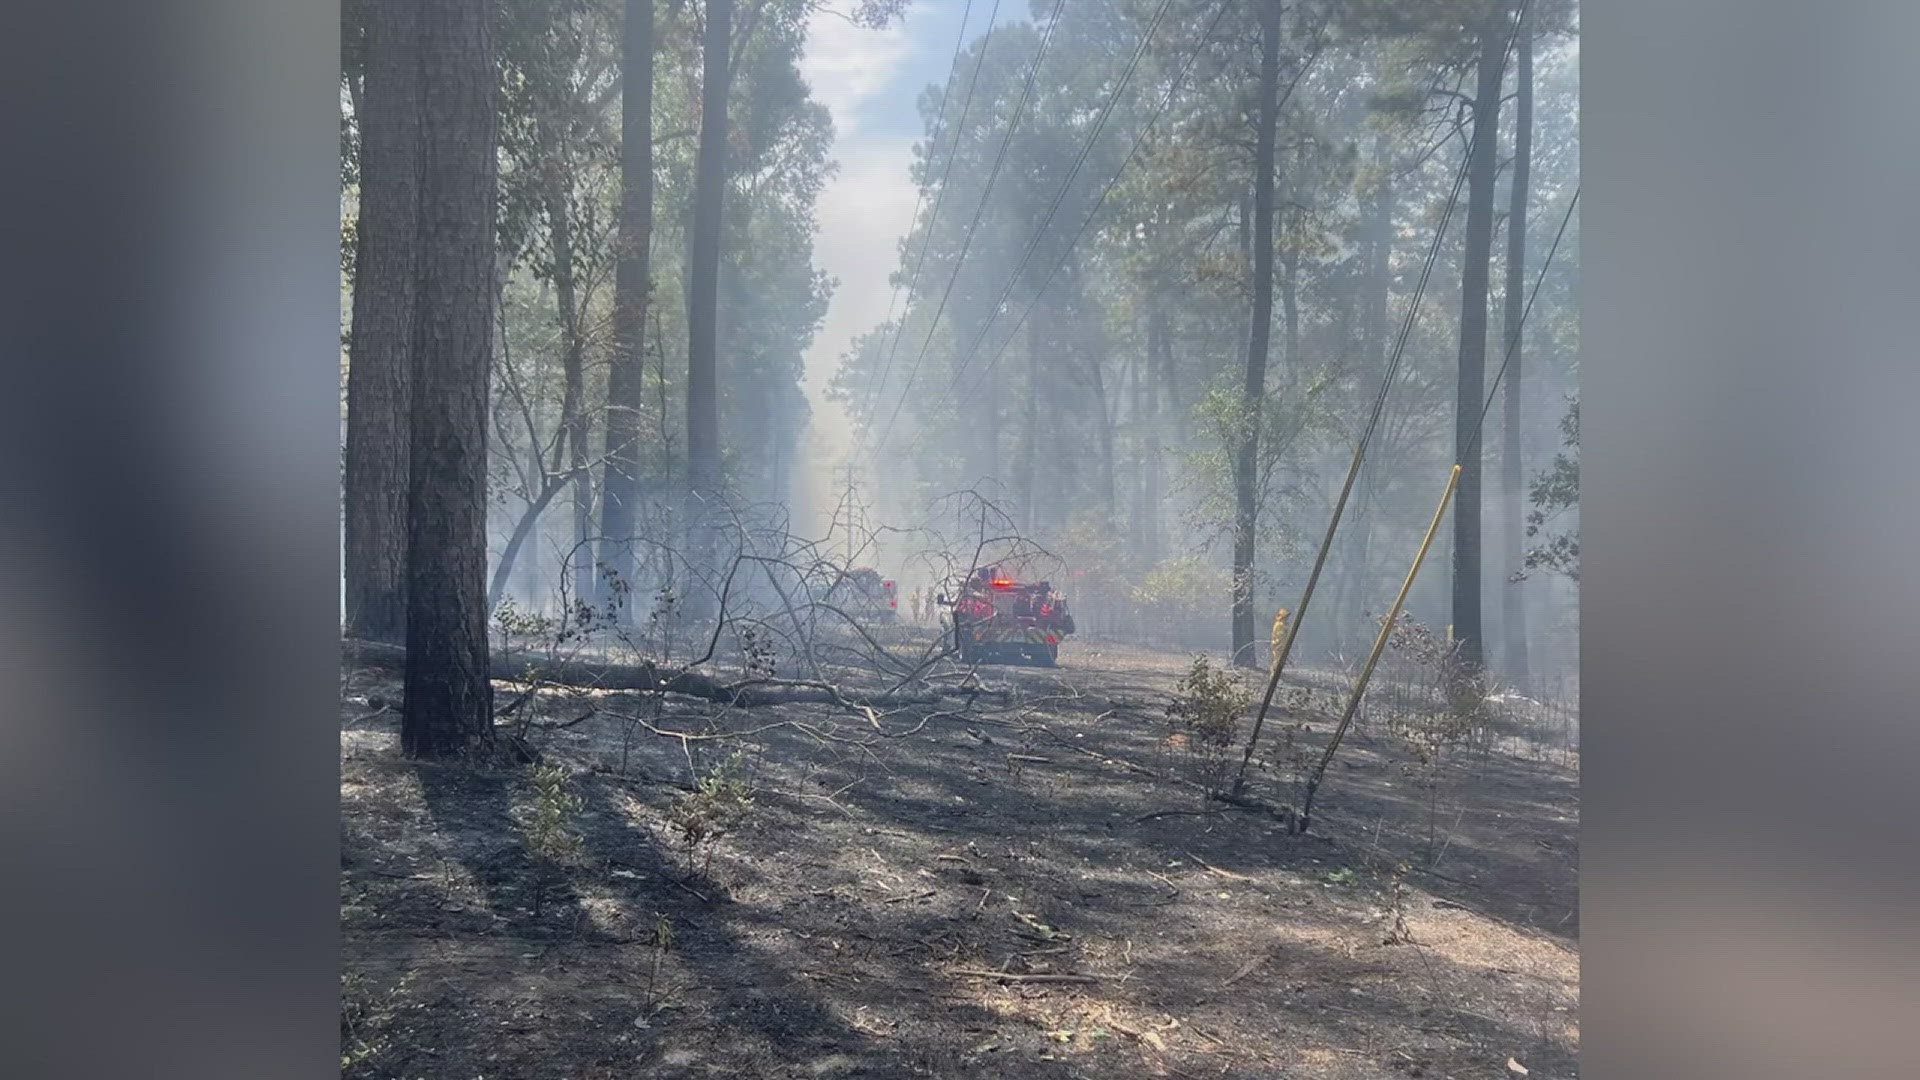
x=379 y=375
x=626 y=377
x=1259 y=336
x=710 y=179
x=1513 y=600
x=448 y=698
x=1471 y=392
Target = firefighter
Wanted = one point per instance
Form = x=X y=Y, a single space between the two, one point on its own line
x=1279 y=634
x=913 y=604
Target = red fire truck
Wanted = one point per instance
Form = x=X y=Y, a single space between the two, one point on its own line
x=997 y=619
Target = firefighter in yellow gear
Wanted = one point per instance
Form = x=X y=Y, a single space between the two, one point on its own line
x=1279 y=635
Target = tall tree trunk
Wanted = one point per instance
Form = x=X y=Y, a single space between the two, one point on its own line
x=1030 y=495
x=1376 y=291
x=1513 y=600
x=1137 y=482
x=448 y=698
x=1288 y=280
x=1104 y=419
x=1473 y=338
x=710 y=179
x=748 y=389
x=1259 y=335
x=626 y=377
x=1170 y=382
x=573 y=410
x=379 y=374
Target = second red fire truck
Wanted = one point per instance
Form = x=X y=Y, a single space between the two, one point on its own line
x=997 y=619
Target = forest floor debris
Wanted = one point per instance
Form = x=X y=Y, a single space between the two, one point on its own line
x=950 y=904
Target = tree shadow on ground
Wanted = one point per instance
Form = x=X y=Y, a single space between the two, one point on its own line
x=576 y=989
x=830 y=937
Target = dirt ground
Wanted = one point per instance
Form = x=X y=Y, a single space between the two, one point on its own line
x=1001 y=892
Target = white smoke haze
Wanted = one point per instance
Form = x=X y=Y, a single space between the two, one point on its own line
x=862 y=214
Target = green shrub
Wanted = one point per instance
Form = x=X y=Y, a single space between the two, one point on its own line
x=718 y=805
x=1205 y=717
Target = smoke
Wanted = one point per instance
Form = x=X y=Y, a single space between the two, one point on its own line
x=862 y=213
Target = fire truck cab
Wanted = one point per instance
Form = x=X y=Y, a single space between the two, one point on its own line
x=997 y=619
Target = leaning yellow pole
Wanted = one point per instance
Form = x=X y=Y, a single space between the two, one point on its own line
x=1373 y=658
x=1284 y=648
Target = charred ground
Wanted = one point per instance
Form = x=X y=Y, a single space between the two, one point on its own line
x=1013 y=885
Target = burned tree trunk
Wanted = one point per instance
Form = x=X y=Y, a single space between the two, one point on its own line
x=448 y=698
x=709 y=189
x=1471 y=385
x=1513 y=606
x=379 y=375
x=626 y=377
x=1259 y=335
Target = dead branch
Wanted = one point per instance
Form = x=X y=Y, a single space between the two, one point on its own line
x=651 y=677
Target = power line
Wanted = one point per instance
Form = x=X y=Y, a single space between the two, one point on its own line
x=1453 y=480
x=1033 y=245
x=993 y=175
x=1373 y=418
x=1067 y=255
x=940 y=195
x=1513 y=344
x=1094 y=133
x=920 y=199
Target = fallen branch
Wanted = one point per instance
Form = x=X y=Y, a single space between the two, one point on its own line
x=653 y=677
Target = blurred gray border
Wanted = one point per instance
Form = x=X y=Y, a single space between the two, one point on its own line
x=169 y=441
x=170 y=431
x=1751 y=504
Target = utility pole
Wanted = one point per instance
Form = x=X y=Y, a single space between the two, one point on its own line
x=848 y=503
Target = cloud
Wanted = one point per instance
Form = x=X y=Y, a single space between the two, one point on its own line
x=862 y=215
x=848 y=66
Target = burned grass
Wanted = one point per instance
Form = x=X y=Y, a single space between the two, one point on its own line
x=1004 y=891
